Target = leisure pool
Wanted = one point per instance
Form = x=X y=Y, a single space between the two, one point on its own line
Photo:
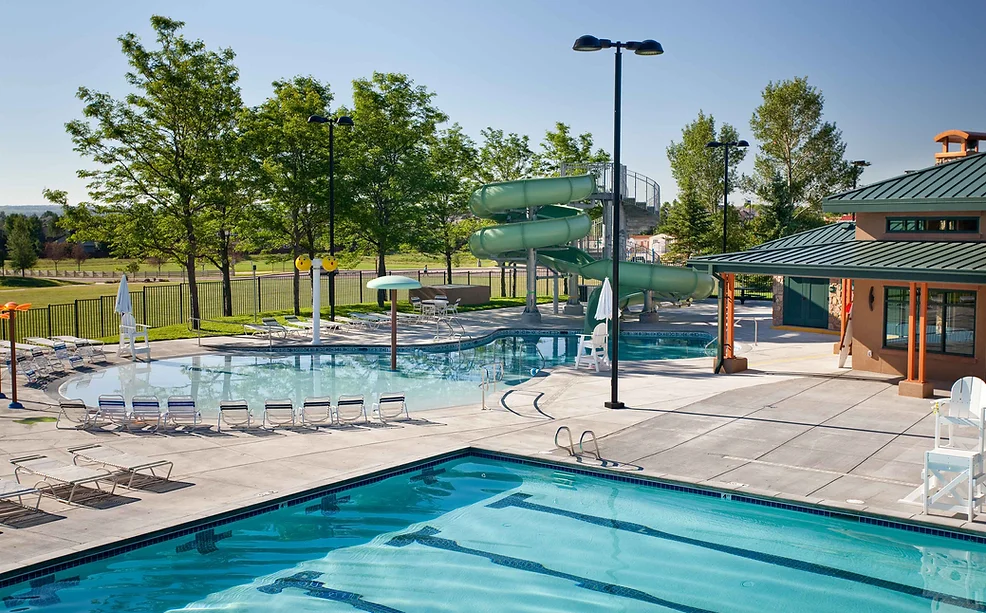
x=430 y=378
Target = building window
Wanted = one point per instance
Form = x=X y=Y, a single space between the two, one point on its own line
x=913 y=225
x=951 y=320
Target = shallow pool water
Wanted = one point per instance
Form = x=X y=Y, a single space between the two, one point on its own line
x=430 y=379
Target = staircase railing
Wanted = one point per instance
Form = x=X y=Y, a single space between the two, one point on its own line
x=635 y=188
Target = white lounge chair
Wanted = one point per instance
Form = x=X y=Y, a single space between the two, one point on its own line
x=367 y=321
x=235 y=414
x=146 y=412
x=453 y=309
x=278 y=413
x=182 y=412
x=278 y=327
x=120 y=461
x=86 y=347
x=350 y=409
x=62 y=353
x=75 y=412
x=390 y=407
x=112 y=409
x=54 y=472
x=12 y=489
x=593 y=349
x=317 y=411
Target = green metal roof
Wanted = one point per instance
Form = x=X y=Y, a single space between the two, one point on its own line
x=953 y=186
x=921 y=261
x=840 y=232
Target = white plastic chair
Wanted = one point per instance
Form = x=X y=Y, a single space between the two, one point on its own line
x=131 y=333
x=953 y=475
x=965 y=410
x=593 y=349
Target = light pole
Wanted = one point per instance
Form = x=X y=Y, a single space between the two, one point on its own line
x=646 y=47
x=860 y=164
x=342 y=120
x=725 y=183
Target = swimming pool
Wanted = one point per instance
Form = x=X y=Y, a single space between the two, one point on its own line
x=430 y=378
x=486 y=533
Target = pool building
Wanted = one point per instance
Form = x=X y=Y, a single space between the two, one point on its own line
x=912 y=264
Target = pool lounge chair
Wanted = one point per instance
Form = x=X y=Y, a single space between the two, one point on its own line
x=350 y=409
x=62 y=354
x=235 y=414
x=325 y=324
x=120 y=461
x=76 y=413
x=112 y=409
x=317 y=411
x=278 y=413
x=182 y=412
x=54 y=472
x=12 y=489
x=273 y=324
x=390 y=407
x=263 y=330
x=86 y=347
x=146 y=412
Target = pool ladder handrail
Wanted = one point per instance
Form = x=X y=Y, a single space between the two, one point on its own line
x=490 y=374
x=582 y=440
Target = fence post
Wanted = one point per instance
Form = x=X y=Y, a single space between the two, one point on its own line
x=361 y=287
x=259 y=299
x=468 y=277
x=143 y=302
x=102 y=320
x=491 y=282
x=75 y=312
x=50 y=333
x=181 y=303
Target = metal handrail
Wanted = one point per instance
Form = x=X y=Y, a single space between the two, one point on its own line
x=571 y=443
x=595 y=443
x=644 y=191
x=487 y=379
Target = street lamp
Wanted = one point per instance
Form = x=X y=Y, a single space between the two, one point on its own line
x=725 y=184
x=342 y=120
x=645 y=47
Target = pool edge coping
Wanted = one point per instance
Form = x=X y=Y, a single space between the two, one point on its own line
x=61 y=562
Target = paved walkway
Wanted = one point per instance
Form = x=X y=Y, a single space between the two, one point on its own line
x=794 y=427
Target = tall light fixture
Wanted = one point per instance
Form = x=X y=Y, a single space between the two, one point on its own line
x=645 y=47
x=725 y=183
x=342 y=120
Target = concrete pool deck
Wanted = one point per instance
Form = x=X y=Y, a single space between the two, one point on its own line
x=793 y=427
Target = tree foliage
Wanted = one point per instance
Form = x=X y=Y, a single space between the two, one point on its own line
x=560 y=147
x=700 y=169
x=504 y=157
x=20 y=243
x=158 y=151
x=689 y=222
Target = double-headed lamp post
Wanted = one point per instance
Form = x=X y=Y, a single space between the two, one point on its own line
x=725 y=182
x=342 y=120
x=645 y=47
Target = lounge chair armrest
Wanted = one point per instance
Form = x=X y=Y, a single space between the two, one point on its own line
x=83 y=447
x=27 y=458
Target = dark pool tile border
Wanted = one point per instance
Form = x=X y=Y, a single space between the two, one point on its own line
x=69 y=561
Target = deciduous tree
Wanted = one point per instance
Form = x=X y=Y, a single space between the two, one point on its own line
x=700 y=170
x=21 y=244
x=560 y=146
x=504 y=157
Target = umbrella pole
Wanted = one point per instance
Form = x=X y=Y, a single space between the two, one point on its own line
x=393 y=329
x=13 y=366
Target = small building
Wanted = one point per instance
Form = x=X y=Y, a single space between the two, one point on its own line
x=647 y=247
x=913 y=266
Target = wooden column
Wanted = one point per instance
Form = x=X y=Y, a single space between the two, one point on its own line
x=911 y=330
x=924 y=332
x=730 y=315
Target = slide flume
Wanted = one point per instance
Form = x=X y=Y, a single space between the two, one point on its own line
x=555 y=226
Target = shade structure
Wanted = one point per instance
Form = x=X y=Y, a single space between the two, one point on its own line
x=393 y=283
x=604 y=308
x=123 y=304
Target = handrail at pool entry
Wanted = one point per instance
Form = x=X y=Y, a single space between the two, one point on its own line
x=488 y=378
x=595 y=443
x=571 y=442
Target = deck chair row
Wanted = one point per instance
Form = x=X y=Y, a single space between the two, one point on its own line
x=145 y=412
x=313 y=413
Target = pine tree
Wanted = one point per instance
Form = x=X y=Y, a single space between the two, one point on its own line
x=690 y=225
x=21 y=247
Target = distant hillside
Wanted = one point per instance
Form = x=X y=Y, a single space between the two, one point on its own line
x=29 y=209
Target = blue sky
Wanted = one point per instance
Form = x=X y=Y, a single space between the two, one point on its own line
x=894 y=74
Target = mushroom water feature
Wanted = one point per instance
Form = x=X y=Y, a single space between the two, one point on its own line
x=8 y=312
x=393 y=283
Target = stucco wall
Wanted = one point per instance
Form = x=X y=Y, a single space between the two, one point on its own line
x=873 y=226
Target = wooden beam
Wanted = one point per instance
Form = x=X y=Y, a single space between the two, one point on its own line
x=730 y=314
x=911 y=330
x=924 y=332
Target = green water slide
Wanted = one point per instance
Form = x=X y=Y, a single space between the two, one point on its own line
x=554 y=226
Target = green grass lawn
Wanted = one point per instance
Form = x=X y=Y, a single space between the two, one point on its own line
x=42 y=292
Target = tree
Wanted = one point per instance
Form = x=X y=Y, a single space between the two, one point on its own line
x=690 y=224
x=561 y=147
x=504 y=157
x=289 y=164
x=447 y=223
x=56 y=252
x=807 y=153
x=158 y=151
x=387 y=162
x=700 y=170
x=21 y=244
x=79 y=254
x=3 y=245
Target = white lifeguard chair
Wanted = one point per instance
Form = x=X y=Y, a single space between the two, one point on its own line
x=133 y=338
x=593 y=349
x=954 y=479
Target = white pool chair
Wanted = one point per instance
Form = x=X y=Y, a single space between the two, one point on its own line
x=317 y=411
x=453 y=309
x=120 y=461
x=76 y=413
x=235 y=414
x=112 y=408
x=278 y=413
x=593 y=349
x=47 y=361
x=133 y=338
x=390 y=407
x=278 y=327
x=62 y=353
x=86 y=347
x=963 y=411
x=366 y=321
x=145 y=411
x=55 y=472
x=12 y=489
x=182 y=412
x=350 y=409
x=415 y=305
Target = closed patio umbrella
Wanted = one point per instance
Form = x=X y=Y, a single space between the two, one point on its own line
x=123 y=304
x=604 y=307
x=393 y=283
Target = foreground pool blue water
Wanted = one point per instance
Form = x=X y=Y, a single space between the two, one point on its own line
x=479 y=534
x=430 y=379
